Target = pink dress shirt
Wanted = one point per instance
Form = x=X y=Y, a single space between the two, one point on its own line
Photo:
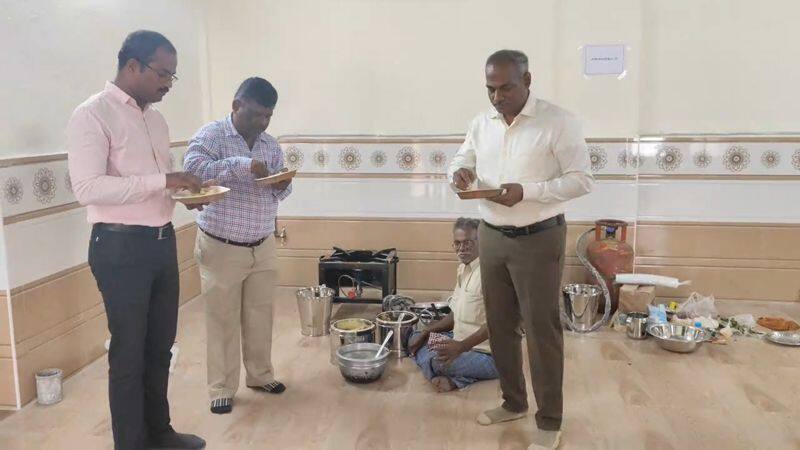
x=118 y=158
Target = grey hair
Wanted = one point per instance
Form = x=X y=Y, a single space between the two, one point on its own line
x=515 y=57
x=466 y=224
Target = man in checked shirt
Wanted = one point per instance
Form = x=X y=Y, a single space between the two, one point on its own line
x=235 y=244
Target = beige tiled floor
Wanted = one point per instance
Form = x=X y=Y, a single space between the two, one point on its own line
x=620 y=394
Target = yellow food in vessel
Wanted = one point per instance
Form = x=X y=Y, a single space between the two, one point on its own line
x=351 y=325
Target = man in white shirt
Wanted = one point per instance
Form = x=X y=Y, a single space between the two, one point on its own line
x=536 y=152
x=462 y=355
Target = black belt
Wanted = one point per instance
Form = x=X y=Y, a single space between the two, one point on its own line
x=512 y=232
x=238 y=244
x=163 y=232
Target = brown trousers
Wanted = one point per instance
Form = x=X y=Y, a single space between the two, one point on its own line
x=521 y=284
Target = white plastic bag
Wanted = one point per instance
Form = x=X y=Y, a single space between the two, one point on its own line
x=745 y=320
x=698 y=306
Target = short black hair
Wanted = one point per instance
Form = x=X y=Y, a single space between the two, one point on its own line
x=515 y=57
x=258 y=90
x=466 y=224
x=141 y=45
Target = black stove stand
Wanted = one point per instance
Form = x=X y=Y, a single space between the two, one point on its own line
x=357 y=276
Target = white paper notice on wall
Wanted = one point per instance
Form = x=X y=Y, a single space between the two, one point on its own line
x=604 y=60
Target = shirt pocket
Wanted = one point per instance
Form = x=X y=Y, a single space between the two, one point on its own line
x=472 y=309
x=533 y=163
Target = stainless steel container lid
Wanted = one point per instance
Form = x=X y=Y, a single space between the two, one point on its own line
x=392 y=318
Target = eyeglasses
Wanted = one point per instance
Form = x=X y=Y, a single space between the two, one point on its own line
x=163 y=76
x=468 y=244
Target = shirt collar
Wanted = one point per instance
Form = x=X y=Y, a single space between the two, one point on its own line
x=528 y=110
x=231 y=130
x=471 y=266
x=122 y=96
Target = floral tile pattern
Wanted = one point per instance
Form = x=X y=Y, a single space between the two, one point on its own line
x=321 y=158
x=13 y=190
x=408 y=159
x=669 y=158
x=378 y=158
x=628 y=158
x=597 y=157
x=350 y=158
x=293 y=158
x=438 y=159
x=770 y=159
x=44 y=185
x=736 y=159
x=796 y=159
x=702 y=159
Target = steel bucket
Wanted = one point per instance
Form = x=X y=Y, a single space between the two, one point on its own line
x=315 y=305
x=580 y=306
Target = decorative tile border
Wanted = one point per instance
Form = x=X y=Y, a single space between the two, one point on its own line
x=429 y=158
x=368 y=158
x=42 y=184
x=719 y=158
x=39 y=183
x=31 y=187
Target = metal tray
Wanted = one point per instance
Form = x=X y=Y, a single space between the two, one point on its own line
x=791 y=338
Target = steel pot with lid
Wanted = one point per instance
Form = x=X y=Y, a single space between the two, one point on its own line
x=350 y=331
x=402 y=324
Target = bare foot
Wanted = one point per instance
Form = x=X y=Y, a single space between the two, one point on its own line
x=443 y=384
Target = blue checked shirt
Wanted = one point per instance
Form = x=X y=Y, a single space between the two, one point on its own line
x=246 y=213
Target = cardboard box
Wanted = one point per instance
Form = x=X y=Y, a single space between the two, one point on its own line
x=635 y=298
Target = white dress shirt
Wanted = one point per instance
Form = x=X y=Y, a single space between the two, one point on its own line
x=543 y=150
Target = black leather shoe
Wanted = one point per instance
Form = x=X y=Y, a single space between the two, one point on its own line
x=171 y=440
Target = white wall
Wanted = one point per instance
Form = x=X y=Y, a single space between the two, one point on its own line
x=373 y=67
x=56 y=53
x=415 y=67
x=408 y=67
x=720 y=66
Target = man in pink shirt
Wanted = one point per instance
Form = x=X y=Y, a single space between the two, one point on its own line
x=119 y=163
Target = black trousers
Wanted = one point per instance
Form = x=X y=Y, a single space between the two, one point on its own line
x=138 y=278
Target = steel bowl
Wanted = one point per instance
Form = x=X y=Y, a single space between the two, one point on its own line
x=677 y=338
x=358 y=364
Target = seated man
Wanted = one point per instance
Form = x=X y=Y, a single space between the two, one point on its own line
x=463 y=356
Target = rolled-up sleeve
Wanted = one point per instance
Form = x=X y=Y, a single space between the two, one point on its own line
x=88 y=149
x=203 y=160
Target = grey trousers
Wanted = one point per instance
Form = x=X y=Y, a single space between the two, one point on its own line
x=521 y=279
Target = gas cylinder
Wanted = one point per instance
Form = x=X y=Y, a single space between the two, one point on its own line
x=610 y=255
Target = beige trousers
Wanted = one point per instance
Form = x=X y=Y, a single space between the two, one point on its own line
x=237 y=285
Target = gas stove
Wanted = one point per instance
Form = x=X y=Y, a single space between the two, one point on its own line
x=359 y=276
